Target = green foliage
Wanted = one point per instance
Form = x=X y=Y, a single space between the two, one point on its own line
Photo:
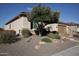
x=54 y=35
x=46 y=40
x=25 y=32
x=8 y=36
x=42 y=13
x=55 y=17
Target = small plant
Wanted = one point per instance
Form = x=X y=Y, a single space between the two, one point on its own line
x=48 y=40
x=25 y=32
x=53 y=35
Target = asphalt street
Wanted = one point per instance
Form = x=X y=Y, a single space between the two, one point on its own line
x=74 y=51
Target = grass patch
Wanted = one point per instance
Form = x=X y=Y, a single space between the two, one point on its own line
x=53 y=35
x=48 y=40
x=25 y=33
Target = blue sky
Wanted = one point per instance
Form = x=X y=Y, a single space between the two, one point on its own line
x=68 y=12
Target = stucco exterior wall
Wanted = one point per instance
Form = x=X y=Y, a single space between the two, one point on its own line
x=62 y=29
x=77 y=29
x=7 y=27
x=18 y=24
x=26 y=23
x=52 y=27
x=71 y=30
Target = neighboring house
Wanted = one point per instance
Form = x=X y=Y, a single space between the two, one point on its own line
x=67 y=29
x=60 y=27
x=64 y=29
x=18 y=22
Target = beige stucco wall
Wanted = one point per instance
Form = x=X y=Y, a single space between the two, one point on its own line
x=62 y=29
x=7 y=26
x=77 y=29
x=53 y=27
x=67 y=29
x=26 y=23
x=18 y=24
x=71 y=30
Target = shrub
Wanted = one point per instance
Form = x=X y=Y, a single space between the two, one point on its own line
x=54 y=35
x=25 y=32
x=10 y=36
x=7 y=36
x=46 y=40
x=1 y=36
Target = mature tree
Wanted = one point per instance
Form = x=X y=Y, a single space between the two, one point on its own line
x=40 y=14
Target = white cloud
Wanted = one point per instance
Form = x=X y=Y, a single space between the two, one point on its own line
x=29 y=9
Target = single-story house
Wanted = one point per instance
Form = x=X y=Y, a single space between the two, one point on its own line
x=21 y=21
x=18 y=22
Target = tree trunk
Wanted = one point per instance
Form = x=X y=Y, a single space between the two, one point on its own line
x=40 y=29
